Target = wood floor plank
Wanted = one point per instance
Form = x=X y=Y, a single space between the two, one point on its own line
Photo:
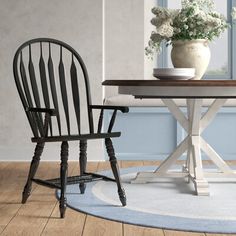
x=14 y=177
x=127 y=164
x=104 y=165
x=99 y=227
x=74 y=221
x=231 y=162
x=3 y=164
x=133 y=230
x=32 y=217
x=151 y=163
x=92 y=166
x=71 y=225
x=7 y=212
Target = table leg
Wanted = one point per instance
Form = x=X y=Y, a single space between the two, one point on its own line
x=200 y=183
x=189 y=167
x=194 y=124
x=194 y=116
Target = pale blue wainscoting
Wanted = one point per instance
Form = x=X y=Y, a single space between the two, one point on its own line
x=151 y=133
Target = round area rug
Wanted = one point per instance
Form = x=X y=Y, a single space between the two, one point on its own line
x=169 y=204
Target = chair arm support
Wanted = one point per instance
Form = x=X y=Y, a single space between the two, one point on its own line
x=105 y=107
x=51 y=112
x=112 y=121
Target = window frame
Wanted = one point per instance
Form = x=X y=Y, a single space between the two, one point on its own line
x=162 y=60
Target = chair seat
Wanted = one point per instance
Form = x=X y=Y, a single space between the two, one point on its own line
x=76 y=137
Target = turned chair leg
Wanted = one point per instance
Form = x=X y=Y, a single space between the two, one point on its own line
x=115 y=170
x=63 y=177
x=83 y=162
x=33 y=169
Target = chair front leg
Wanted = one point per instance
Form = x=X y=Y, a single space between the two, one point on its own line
x=63 y=176
x=33 y=169
x=83 y=162
x=115 y=170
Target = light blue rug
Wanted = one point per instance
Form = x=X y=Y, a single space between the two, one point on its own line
x=169 y=204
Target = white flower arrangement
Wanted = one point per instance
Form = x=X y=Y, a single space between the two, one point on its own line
x=197 y=19
x=233 y=13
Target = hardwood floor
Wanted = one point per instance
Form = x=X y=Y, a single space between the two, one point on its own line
x=40 y=215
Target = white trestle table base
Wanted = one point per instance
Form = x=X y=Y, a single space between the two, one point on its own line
x=194 y=124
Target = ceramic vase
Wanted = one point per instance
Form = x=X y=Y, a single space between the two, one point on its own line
x=191 y=54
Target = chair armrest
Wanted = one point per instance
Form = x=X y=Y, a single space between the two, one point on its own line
x=105 y=107
x=51 y=112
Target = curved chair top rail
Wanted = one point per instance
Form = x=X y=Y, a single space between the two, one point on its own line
x=28 y=89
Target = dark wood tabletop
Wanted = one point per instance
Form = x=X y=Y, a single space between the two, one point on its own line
x=200 y=83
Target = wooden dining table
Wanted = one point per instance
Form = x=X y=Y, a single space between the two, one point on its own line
x=194 y=122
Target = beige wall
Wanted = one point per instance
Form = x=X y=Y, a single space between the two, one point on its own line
x=124 y=40
x=127 y=31
x=117 y=37
x=149 y=64
x=77 y=22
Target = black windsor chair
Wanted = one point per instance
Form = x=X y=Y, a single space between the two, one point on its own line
x=50 y=99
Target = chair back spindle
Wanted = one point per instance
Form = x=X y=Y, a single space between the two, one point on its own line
x=57 y=81
x=53 y=88
x=75 y=91
x=64 y=90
